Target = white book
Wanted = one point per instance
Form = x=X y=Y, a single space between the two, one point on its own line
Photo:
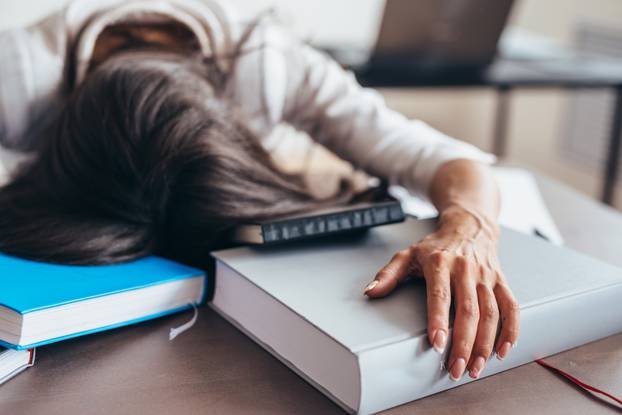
x=304 y=303
x=13 y=362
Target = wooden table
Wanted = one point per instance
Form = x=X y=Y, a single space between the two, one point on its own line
x=215 y=369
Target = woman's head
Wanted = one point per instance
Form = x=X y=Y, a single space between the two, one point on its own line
x=144 y=159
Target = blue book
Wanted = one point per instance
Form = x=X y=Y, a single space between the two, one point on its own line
x=44 y=303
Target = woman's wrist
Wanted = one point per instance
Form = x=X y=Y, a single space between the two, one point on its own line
x=468 y=222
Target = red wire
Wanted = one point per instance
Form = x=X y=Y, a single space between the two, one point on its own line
x=577 y=381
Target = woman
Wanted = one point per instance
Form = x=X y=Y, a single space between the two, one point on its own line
x=148 y=125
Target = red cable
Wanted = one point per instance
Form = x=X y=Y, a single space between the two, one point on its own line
x=577 y=381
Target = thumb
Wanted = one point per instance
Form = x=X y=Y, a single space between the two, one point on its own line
x=390 y=275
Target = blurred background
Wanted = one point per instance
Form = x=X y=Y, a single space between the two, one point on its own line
x=561 y=133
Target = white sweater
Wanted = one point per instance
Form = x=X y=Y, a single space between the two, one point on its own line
x=281 y=80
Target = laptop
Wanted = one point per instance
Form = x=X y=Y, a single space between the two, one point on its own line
x=442 y=42
x=432 y=37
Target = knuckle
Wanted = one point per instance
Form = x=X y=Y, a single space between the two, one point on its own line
x=439 y=293
x=461 y=261
x=468 y=309
x=484 y=289
x=489 y=312
x=482 y=271
x=438 y=258
x=401 y=255
x=462 y=267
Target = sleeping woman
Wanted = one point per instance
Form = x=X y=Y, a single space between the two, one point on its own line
x=146 y=126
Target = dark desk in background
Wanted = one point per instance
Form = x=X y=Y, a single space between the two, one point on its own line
x=215 y=369
x=505 y=75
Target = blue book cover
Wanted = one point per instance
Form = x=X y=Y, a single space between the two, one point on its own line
x=28 y=286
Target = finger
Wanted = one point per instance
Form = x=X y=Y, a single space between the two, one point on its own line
x=510 y=320
x=486 y=330
x=465 y=323
x=439 y=301
x=390 y=275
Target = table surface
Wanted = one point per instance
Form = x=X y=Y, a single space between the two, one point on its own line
x=216 y=369
x=585 y=72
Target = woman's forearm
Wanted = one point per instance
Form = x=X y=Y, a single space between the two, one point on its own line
x=466 y=183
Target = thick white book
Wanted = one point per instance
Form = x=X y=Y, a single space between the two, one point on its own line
x=304 y=303
x=13 y=362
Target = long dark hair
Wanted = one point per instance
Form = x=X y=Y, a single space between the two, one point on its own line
x=144 y=159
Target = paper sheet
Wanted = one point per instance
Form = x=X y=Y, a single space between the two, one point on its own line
x=522 y=206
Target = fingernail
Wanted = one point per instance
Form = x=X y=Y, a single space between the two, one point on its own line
x=371 y=285
x=457 y=369
x=477 y=367
x=504 y=350
x=440 y=341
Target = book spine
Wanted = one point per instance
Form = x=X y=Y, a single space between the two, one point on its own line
x=302 y=228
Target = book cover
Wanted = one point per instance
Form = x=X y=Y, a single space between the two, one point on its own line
x=89 y=298
x=321 y=223
x=305 y=305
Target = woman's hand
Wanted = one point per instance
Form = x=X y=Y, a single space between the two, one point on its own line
x=459 y=260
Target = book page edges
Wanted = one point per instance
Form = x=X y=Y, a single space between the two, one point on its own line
x=180 y=277
x=25 y=365
x=248 y=234
x=286 y=362
x=404 y=371
x=222 y=257
x=304 y=348
x=16 y=342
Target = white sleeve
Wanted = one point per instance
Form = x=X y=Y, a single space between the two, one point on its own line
x=355 y=123
x=286 y=80
x=31 y=72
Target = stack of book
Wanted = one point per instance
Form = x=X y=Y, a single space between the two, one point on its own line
x=44 y=303
x=304 y=303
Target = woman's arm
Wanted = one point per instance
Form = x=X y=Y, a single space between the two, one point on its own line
x=31 y=70
x=310 y=91
x=459 y=260
x=285 y=80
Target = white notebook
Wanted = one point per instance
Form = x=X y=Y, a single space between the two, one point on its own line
x=13 y=362
x=304 y=303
